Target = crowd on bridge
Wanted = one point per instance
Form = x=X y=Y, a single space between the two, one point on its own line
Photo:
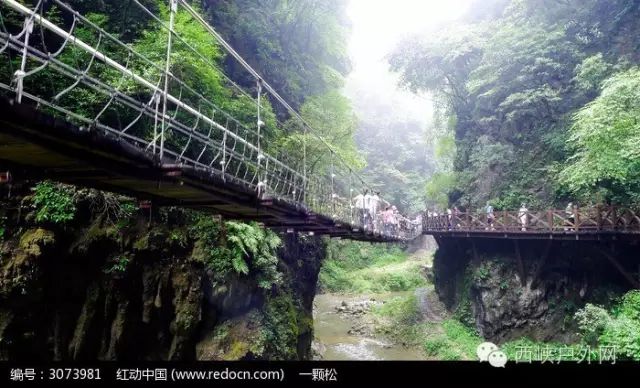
x=380 y=216
x=456 y=219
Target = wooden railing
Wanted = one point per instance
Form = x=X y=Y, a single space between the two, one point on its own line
x=604 y=218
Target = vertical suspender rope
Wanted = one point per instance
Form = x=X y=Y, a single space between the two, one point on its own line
x=19 y=75
x=223 y=162
x=261 y=183
x=350 y=196
x=156 y=98
x=173 y=8
x=304 y=163
x=333 y=191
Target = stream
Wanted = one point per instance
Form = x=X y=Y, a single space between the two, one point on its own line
x=332 y=331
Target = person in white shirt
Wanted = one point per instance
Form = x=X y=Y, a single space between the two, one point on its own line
x=367 y=206
x=374 y=203
x=523 y=215
x=360 y=207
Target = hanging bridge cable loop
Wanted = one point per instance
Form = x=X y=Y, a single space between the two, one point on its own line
x=51 y=56
x=83 y=74
x=114 y=93
x=204 y=147
x=173 y=8
x=45 y=62
x=193 y=129
x=221 y=149
x=155 y=97
x=27 y=30
x=4 y=29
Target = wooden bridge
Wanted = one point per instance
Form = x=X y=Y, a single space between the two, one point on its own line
x=86 y=106
x=591 y=223
x=93 y=110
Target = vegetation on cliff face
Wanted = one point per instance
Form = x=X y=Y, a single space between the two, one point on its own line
x=605 y=138
x=616 y=327
x=190 y=285
x=534 y=89
x=353 y=267
x=53 y=203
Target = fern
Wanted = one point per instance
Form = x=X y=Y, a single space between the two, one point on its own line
x=239 y=263
x=247 y=250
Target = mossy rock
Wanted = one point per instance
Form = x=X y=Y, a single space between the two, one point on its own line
x=33 y=241
x=239 y=338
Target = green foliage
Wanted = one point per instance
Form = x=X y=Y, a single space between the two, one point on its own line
x=606 y=143
x=437 y=188
x=483 y=271
x=591 y=72
x=592 y=321
x=512 y=77
x=361 y=267
x=617 y=328
x=334 y=123
x=463 y=311
x=401 y=318
x=239 y=248
x=300 y=47
x=3 y=226
x=455 y=342
x=53 y=203
x=281 y=327
x=119 y=265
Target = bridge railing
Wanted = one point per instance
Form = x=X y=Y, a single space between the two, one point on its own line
x=602 y=218
x=137 y=86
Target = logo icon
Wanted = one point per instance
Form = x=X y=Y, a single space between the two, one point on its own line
x=490 y=352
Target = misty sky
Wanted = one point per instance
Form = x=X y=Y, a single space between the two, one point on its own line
x=377 y=25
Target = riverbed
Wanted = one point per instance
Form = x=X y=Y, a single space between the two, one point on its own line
x=332 y=332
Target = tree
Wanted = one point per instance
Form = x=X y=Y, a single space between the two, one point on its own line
x=513 y=76
x=299 y=47
x=605 y=139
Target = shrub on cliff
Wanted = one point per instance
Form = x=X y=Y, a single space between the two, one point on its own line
x=54 y=202
x=617 y=328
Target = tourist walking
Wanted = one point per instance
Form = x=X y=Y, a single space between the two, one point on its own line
x=523 y=216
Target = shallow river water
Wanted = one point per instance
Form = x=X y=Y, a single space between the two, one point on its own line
x=331 y=329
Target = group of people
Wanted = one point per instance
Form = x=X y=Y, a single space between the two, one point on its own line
x=378 y=215
x=453 y=217
x=523 y=217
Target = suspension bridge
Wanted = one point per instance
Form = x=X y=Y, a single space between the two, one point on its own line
x=85 y=106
